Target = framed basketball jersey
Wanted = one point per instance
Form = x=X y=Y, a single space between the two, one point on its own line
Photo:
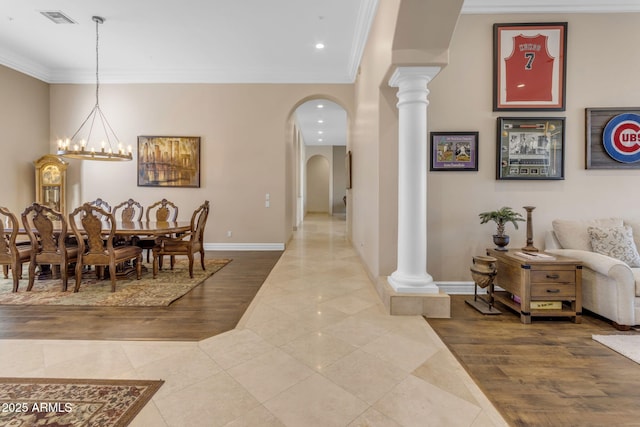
x=529 y=66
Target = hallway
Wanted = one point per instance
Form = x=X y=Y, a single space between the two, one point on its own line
x=314 y=349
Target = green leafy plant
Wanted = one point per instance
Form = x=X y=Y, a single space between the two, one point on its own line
x=501 y=217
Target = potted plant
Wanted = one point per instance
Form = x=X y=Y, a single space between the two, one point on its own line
x=501 y=217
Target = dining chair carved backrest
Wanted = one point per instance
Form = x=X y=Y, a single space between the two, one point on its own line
x=187 y=244
x=128 y=211
x=101 y=204
x=160 y=211
x=98 y=249
x=47 y=230
x=12 y=255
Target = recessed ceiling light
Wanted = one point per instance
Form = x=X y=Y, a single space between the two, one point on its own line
x=320 y=121
x=320 y=132
x=320 y=106
x=320 y=139
x=319 y=46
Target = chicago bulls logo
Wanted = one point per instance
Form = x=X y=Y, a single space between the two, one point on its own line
x=621 y=138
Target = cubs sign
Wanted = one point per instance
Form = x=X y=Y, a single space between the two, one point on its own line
x=613 y=138
x=621 y=138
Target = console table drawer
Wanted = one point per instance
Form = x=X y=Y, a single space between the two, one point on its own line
x=553 y=290
x=553 y=276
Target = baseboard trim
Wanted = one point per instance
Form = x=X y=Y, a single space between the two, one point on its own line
x=244 y=246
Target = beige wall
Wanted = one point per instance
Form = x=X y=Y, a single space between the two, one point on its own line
x=372 y=201
x=339 y=179
x=246 y=149
x=601 y=72
x=24 y=120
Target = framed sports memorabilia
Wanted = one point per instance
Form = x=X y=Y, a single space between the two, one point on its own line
x=530 y=148
x=454 y=151
x=529 y=66
x=612 y=138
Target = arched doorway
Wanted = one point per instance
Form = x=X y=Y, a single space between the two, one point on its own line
x=321 y=131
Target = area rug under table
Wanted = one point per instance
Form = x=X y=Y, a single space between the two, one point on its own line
x=72 y=402
x=162 y=291
x=626 y=345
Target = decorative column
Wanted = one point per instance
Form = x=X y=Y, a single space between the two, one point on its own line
x=411 y=275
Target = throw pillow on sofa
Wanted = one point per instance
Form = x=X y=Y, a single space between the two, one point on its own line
x=616 y=242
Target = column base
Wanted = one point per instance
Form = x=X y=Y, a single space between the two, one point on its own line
x=403 y=284
x=427 y=305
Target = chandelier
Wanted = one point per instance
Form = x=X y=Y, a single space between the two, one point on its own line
x=79 y=145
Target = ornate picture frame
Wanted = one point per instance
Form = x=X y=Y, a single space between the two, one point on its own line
x=530 y=148
x=529 y=66
x=169 y=161
x=454 y=151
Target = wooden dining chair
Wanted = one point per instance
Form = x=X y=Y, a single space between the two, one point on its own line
x=12 y=255
x=128 y=211
x=187 y=244
x=47 y=230
x=102 y=204
x=98 y=250
x=160 y=211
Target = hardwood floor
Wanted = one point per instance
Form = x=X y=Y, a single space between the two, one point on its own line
x=211 y=308
x=548 y=373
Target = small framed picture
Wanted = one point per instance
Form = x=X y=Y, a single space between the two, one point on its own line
x=454 y=151
x=529 y=66
x=530 y=148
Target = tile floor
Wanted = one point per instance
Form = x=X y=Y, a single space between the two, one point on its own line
x=315 y=348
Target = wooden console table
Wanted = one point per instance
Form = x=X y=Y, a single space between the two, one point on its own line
x=543 y=282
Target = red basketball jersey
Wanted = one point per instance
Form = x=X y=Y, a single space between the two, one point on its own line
x=529 y=70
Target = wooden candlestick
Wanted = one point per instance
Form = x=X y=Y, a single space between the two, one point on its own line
x=529 y=247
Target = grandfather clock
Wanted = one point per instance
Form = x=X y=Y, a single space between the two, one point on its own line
x=51 y=177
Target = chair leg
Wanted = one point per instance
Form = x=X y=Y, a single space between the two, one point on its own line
x=32 y=274
x=64 y=276
x=202 y=258
x=190 y=255
x=15 y=273
x=112 y=275
x=78 y=276
x=156 y=262
x=5 y=269
x=139 y=266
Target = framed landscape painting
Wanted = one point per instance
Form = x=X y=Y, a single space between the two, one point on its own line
x=168 y=161
x=529 y=66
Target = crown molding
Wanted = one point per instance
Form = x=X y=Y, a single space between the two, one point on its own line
x=549 y=6
x=366 y=16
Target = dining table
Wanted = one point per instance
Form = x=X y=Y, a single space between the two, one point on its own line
x=131 y=228
x=126 y=229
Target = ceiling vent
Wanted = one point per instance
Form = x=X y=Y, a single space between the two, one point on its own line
x=58 y=17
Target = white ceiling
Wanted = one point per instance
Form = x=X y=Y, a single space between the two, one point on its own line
x=213 y=41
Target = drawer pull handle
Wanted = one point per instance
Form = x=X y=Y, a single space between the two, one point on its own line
x=553 y=291
x=553 y=276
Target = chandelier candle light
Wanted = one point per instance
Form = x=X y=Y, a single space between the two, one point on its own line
x=81 y=149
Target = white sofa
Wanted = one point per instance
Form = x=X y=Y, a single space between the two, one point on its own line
x=610 y=287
